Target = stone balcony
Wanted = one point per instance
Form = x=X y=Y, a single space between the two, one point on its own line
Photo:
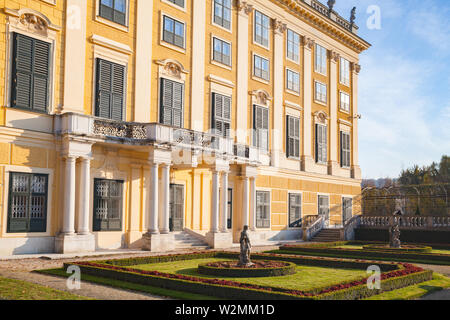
x=105 y=131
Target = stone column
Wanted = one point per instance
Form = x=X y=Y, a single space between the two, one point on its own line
x=154 y=200
x=277 y=137
x=165 y=199
x=245 y=207
x=85 y=193
x=307 y=158
x=244 y=9
x=69 y=197
x=333 y=164
x=215 y=203
x=224 y=227
x=253 y=204
x=356 y=170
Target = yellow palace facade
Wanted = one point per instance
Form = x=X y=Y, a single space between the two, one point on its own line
x=125 y=122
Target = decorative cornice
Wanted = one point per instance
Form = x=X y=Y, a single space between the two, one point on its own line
x=172 y=67
x=32 y=19
x=279 y=26
x=221 y=81
x=108 y=43
x=244 y=7
x=262 y=96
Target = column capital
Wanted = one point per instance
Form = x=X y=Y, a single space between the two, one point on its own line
x=307 y=42
x=244 y=7
x=334 y=56
x=356 y=68
x=278 y=26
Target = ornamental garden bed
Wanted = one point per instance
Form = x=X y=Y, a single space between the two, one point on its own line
x=323 y=278
x=362 y=250
x=260 y=268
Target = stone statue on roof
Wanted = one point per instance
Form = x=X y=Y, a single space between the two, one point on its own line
x=353 y=15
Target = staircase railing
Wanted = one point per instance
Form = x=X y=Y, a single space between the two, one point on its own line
x=312 y=225
x=348 y=231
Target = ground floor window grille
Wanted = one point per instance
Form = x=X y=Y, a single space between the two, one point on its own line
x=263 y=209
x=347 y=204
x=28 y=196
x=108 y=198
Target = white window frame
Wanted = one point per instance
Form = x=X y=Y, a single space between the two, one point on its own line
x=162 y=42
x=299 y=193
x=218 y=63
x=110 y=23
x=270 y=208
x=287 y=46
x=213 y=7
x=297 y=92
x=342 y=105
x=254 y=30
x=316 y=84
x=319 y=68
x=344 y=71
x=254 y=76
x=175 y=5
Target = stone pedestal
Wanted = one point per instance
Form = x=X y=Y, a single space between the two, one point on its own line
x=135 y=240
x=219 y=240
x=74 y=243
x=333 y=168
x=158 y=242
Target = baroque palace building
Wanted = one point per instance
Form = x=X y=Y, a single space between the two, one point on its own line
x=124 y=122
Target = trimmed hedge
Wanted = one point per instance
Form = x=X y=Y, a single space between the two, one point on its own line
x=370 y=254
x=248 y=273
x=407 y=249
x=401 y=275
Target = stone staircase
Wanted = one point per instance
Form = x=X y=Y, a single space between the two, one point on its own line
x=184 y=240
x=328 y=235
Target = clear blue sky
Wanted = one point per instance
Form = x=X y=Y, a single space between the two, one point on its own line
x=404 y=84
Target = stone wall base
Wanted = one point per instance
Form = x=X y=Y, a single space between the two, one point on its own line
x=74 y=243
x=158 y=242
x=34 y=245
x=219 y=240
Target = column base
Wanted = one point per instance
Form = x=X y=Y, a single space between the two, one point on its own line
x=134 y=239
x=74 y=243
x=219 y=240
x=333 y=168
x=356 y=172
x=307 y=164
x=158 y=242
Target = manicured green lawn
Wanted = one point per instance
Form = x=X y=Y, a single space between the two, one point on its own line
x=11 y=289
x=306 y=278
x=438 y=283
x=131 y=286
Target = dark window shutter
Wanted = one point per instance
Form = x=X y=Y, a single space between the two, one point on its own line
x=30 y=73
x=108 y=201
x=172 y=102
x=221 y=114
x=110 y=90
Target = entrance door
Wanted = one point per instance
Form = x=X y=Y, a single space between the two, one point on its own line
x=230 y=209
x=176 y=221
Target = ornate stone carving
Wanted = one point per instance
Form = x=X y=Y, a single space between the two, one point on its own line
x=119 y=130
x=331 y=4
x=321 y=117
x=33 y=22
x=356 y=67
x=334 y=55
x=279 y=26
x=353 y=16
x=172 y=68
x=243 y=6
x=308 y=42
x=262 y=97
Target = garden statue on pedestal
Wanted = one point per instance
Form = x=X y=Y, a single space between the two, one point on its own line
x=394 y=231
x=246 y=247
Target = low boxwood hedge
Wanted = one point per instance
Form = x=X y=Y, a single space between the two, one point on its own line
x=403 y=249
x=401 y=275
x=288 y=269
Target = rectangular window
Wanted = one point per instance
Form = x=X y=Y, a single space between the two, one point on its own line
x=173 y=32
x=222 y=52
x=324 y=207
x=321 y=60
x=179 y=3
x=222 y=13
x=108 y=201
x=30 y=73
x=295 y=210
x=263 y=209
x=344 y=74
x=261 y=127
x=345 y=149
x=320 y=92
x=345 y=102
x=293 y=46
x=176 y=220
x=321 y=144
x=230 y=209
x=221 y=115
x=292 y=81
x=114 y=10
x=110 y=90
x=171 y=103
x=261 y=68
x=27 y=207
x=261 y=29
x=293 y=137
x=347 y=209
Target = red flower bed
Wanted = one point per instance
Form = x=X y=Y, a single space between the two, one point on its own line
x=406 y=269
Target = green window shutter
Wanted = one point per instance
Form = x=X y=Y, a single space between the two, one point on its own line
x=171 y=103
x=110 y=90
x=221 y=113
x=30 y=73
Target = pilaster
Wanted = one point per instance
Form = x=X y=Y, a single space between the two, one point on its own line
x=333 y=164
x=356 y=170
